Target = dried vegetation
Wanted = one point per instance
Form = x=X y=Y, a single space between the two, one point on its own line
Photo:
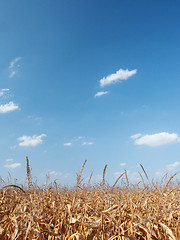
x=87 y=212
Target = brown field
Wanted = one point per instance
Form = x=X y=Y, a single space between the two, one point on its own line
x=86 y=212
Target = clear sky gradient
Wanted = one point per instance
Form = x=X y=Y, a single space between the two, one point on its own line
x=95 y=80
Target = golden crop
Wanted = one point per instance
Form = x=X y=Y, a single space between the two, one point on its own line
x=89 y=212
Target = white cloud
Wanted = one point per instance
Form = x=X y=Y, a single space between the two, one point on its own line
x=3 y=92
x=173 y=166
x=60 y=174
x=14 y=61
x=81 y=140
x=67 y=144
x=8 y=107
x=117 y=77
x=31 y=141
x=55 y=173
x=9 y=160
x=136 y=136
x=13 y=67
x=5 y=89
x=81 y=137
x=157 y=139
x=122 y=164
x=87 y=143
x=98 y=94
x=13 y=165
x=12 y=74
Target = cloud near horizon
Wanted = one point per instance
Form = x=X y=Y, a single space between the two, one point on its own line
x=157 y=139
x=123 y=164
x=117 y=77
x=98 y=94
x=173 y=166
x=55 y=173
x=35 y=140
x=13 y=165
x=8 y=107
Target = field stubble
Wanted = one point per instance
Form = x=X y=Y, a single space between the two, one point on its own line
x=87 y=212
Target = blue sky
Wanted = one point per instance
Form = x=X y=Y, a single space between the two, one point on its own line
x=95 y=80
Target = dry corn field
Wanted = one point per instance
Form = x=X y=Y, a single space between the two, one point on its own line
x=86 y=212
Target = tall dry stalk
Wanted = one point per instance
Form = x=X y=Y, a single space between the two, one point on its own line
x=127 y=180
x=142 y=179
x=118 y=179
x=90 y=178
x=104 y=171
x=28 y=173
x=78 y=175
x=171 y=178
x=145 y=174
x=164 y=177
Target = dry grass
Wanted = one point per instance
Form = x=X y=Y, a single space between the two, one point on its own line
x=90 y=212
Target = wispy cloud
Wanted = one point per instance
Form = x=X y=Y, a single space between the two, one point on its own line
x=9 y=160
x=13 y=66
x=173 y=166
x=14 y=61
x=4 y=92
x=56 y=174
x=13 y=165
x=35 y=140
x=135 y=136
x=8 y=107
x=67 y=144
x=98 y=94
x=157 y=139
x=87 y=143
x=123 y=164
x=81 y=137
x=12 y=74
x=119 y=76
x=78 y=140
